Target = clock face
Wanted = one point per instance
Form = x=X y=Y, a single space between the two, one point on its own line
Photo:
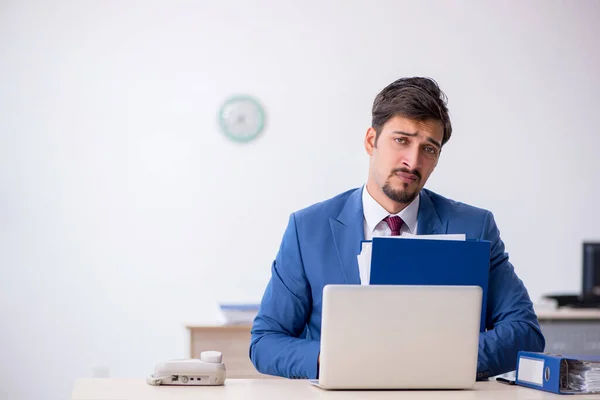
x=241 y=118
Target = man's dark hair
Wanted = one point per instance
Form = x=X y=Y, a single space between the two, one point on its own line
x=419 y=99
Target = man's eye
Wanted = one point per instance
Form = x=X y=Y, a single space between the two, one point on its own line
x=400 y=140
x=430 y=150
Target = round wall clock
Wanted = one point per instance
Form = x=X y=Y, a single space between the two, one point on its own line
x=241 y=118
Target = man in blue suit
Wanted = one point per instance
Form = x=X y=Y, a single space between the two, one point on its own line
x=410 y=124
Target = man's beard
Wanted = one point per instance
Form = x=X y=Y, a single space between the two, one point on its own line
x=401 y=196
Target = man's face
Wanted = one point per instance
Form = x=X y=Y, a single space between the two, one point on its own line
x=404 y=156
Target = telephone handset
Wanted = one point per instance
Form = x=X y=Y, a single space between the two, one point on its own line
x=209 y=370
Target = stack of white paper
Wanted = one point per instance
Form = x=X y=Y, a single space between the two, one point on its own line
x=364 y=263
x=583 y=376
x=239 y=314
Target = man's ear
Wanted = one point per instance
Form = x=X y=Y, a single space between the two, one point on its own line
x=370 y=140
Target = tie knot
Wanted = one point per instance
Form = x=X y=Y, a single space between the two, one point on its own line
x=395 y=223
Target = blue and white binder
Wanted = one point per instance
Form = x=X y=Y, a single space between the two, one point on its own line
x=560 y=374
x=396 y=261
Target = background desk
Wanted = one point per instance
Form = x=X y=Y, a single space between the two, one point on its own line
x=277 y=389
x=232 y=341
x=574 y=331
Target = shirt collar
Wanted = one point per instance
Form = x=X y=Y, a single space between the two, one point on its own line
x=374 y=213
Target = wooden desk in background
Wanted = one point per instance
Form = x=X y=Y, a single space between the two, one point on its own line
x=571 y=330
x=288 y=389
x=233 y=341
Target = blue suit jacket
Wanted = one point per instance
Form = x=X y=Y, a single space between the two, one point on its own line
x=319 y=247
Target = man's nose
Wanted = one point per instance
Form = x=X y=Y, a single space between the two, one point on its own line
x=411 y=158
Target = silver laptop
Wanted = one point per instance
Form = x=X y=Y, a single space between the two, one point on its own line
x=399 y=337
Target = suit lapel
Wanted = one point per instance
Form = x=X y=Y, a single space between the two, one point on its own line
x=348 y=232
x=429 y=222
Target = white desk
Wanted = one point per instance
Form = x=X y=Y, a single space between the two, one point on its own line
x=277 y=389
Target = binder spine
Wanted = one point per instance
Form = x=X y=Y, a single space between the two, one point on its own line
x=538 y=371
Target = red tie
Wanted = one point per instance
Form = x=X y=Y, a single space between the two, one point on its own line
x=395 y=223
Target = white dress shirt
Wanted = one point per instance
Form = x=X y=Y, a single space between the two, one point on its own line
x=375 y=226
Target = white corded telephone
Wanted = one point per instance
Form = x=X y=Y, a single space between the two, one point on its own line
x=209 y=370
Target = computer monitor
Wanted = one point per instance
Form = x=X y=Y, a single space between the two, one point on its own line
x=590 y=293
x=591 y=269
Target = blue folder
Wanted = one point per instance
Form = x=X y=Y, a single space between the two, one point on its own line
x=432 y=262
x=548 y=372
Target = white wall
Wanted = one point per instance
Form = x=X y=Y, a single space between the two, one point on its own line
x=125 y=214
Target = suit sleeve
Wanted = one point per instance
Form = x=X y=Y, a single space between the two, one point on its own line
x=276 y=346
x=511 y=321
